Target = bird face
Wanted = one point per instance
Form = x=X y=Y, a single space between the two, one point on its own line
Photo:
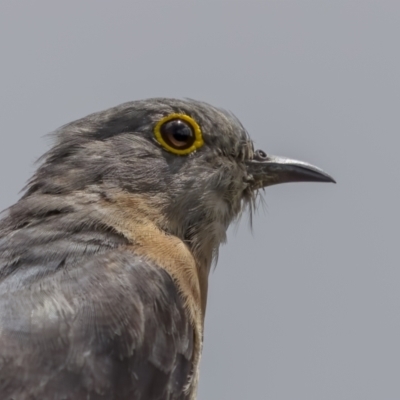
x=193 y=163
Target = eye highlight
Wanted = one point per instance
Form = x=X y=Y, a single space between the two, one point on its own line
x=179 y=134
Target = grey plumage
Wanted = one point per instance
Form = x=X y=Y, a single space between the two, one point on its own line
x=89 y=309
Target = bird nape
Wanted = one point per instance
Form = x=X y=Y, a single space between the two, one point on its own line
x=104 y=261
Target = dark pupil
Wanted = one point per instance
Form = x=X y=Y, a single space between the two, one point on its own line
x=177 y=133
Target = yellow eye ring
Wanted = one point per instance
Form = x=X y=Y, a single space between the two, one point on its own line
x=179 y=134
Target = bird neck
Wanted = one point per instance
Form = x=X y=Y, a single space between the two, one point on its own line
x=141 y=221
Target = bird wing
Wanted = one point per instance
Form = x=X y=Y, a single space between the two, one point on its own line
x=113 y=327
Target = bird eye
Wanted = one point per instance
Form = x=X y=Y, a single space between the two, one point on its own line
x=179 y=134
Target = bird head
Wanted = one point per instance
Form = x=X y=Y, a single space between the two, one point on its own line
x=188 y=167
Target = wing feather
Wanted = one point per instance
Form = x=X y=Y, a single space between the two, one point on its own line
x=112 y=327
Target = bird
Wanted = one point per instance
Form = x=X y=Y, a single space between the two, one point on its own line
x=105 y=259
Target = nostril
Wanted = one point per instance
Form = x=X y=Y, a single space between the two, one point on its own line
x=260 y=155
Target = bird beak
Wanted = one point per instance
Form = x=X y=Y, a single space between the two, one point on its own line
x=271 y=170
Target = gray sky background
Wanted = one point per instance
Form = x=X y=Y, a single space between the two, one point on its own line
x=306 y=306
